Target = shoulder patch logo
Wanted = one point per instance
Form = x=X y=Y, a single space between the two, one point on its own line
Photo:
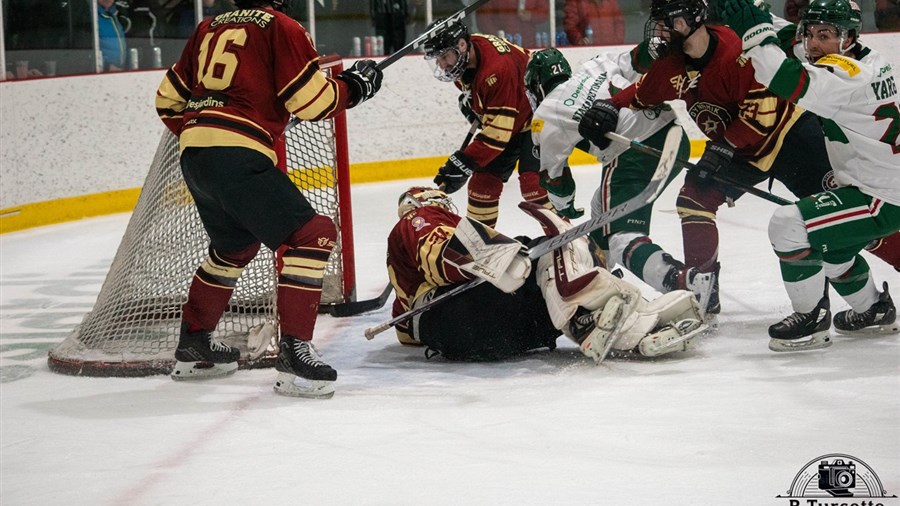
x=537 y=125
x=841 y=62
x=491 y=80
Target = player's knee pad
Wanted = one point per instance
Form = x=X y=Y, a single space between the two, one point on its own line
x=787 y=230
x=224 y=269
x=530 y=186
x=317 y=233
x=484 y=197
x=698 y=201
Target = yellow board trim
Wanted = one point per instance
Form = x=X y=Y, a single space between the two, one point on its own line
x=50 y=212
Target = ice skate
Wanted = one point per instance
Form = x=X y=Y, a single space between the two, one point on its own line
x=879 y=319
x=672 y=338
x=301 y=373
x=199 y=356
x=598 y=331
x=803 y=331
x=705 y=286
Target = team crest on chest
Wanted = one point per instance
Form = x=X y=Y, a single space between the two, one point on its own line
x=711 y=118
x=683 y=83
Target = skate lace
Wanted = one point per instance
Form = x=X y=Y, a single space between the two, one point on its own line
x=217 y=346
x=794 y=319
x=864 y=318
x=307 y=354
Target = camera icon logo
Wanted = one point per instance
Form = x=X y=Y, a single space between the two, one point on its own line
x=837 y=478
x=836 y=475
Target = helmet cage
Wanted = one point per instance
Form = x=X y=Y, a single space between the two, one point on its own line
x=422 y=196
x=440 y=43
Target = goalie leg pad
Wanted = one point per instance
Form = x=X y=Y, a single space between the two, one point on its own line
x=676 y=310
x=482 y=251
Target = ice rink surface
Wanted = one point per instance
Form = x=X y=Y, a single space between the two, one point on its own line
x=730 y=423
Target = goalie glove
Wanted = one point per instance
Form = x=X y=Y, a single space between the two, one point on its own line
x=561 y=192
x=363 y=79
x=454 y=174
x=750 y=21
x=483 y=252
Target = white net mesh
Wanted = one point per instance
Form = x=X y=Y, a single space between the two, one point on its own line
x=134 y=325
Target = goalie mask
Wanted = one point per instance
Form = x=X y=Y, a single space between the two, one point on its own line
x=659 y=29
x=546 y=70
x=843 y=16
x=442 y=51
x=421 y=196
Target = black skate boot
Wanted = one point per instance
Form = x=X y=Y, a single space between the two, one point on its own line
x=298 y=360
x=803 y=331
x=199 y=356
x=881 y=318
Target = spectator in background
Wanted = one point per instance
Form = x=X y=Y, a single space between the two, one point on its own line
x=111 y=35
x=887 y=15
x=389 y=18
x=513 y=16
x=792 y=9
x=594 y=22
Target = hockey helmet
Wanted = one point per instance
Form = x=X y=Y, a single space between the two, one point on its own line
x=545 y=71
x=442 y=41
x=844 y=15
x=663 y=13
x=278 y=5
x=421 y=196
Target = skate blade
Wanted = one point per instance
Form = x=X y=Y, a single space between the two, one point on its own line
x=816 y=341
x=286 y=384
x=192 y=371
x=874 y=330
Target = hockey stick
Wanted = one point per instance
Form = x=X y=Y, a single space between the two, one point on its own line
x=653 y=189
x=643 y=148
x=357 y=307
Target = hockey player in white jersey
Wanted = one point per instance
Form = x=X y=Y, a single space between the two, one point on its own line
x=560 y=100
x=854 y=90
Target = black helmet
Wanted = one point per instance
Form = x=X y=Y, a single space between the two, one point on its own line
x=442 y=41
x=545 y=71
x=278 y=5
x=693 y=12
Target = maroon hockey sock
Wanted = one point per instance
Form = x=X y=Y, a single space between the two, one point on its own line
x=887 y=249
x=300 y=276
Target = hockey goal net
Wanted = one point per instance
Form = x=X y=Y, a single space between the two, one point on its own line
x=134 y=325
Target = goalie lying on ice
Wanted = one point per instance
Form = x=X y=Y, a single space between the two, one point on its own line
x=523 y=307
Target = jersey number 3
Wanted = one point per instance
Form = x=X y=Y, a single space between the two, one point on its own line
x=216 y=71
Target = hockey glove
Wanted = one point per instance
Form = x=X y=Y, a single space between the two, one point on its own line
x=465 y=107
x=454 y=174
x=561 y=192
x=716 y=157
x=363 y=79
x=600 y=119
x=751 y=22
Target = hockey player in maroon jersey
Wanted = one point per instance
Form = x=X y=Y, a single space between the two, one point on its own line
x=241 y=76
x=754 y=134
x=490 y=72
x=523 y=306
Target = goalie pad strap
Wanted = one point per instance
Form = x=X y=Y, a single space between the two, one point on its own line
x=482 y=251
x=667 y=309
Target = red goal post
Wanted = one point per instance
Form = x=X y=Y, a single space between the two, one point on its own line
x=133 y=327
